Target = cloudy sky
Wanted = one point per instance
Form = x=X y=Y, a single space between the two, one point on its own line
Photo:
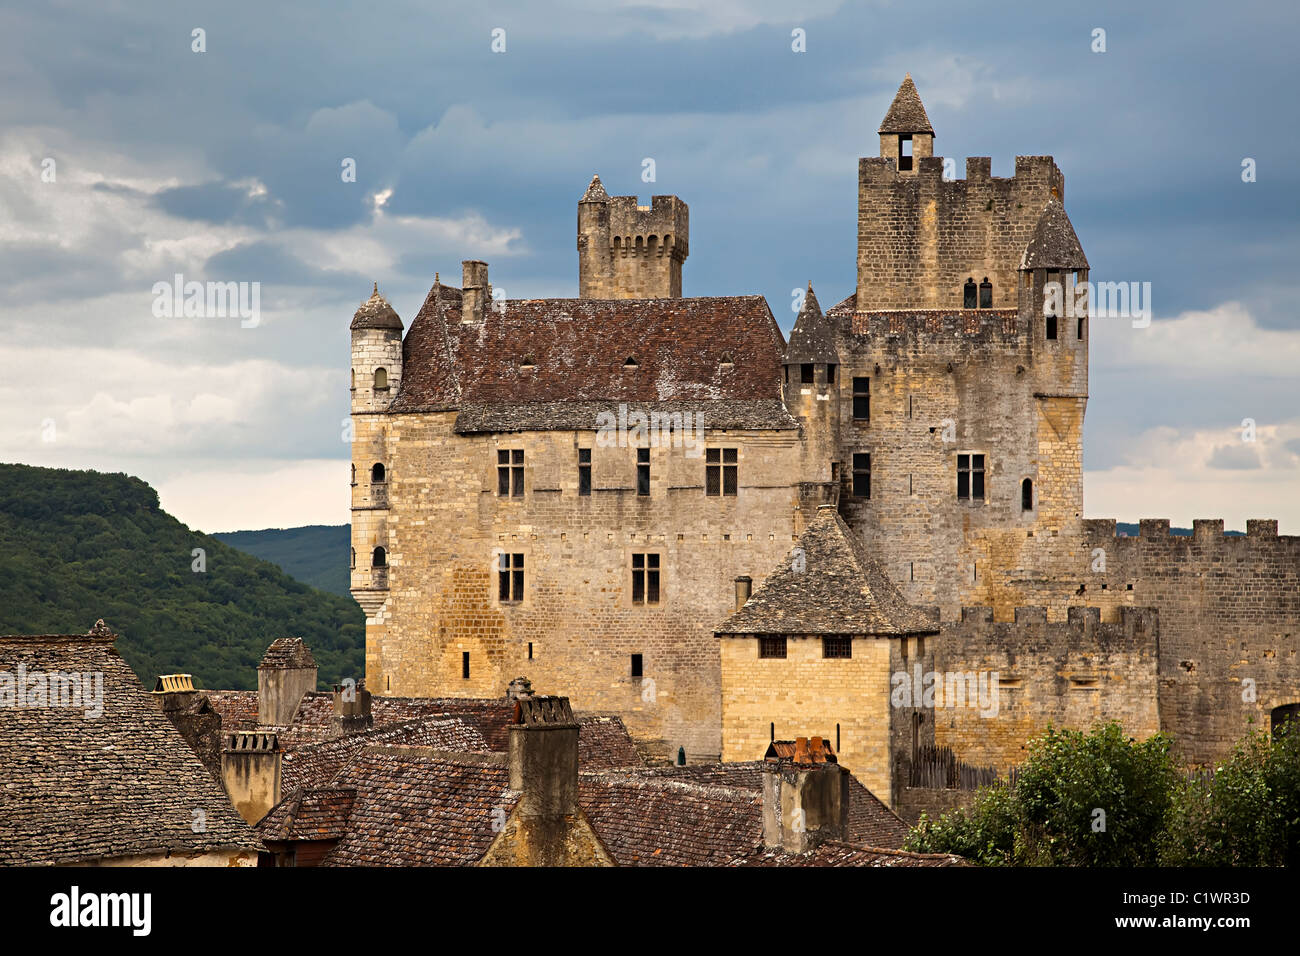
x=127 y=157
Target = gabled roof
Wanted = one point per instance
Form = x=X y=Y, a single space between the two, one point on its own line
x=1054 y=244
x=812 y=340
x=828 y=584
x=538 y=353
x=78 y=787
x=906 y=114
x=376 y=313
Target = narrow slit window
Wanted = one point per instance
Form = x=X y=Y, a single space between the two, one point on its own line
x=862 y=475
x=643 y=472
x=584 y=471
x=464 y=665
x=1027 y=495
x=636 y=665
x=1081 y=328
x=1051 y=327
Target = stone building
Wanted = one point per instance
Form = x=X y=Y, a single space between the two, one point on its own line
x=573 y=486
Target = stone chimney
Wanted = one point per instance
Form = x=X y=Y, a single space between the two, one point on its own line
x=286 y=675
x=475 y=290
x=351 y=709
x=250 y=772
x=174 y=692
x=805 y=795
x=543 y=758
x=744 y=588
x=521 y=688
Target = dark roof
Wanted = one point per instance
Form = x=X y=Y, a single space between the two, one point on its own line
x=77 y=788
x=828 y=584
x=318 y=814
x=524 y=351
x=376 y=313
x=417 y=807
x=585 y=416
x=813 y=338
x=1054 y=244
x=604 y=743
x=288 y=652
x=906 y=114
x=837 y=853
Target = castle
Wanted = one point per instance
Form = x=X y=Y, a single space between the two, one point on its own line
x=587 y=489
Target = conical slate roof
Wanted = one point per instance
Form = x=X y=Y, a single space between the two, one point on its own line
x=828 y=584
x=1054 y=244
x=595 y=191
x=813 y=338
x=906 y=114
x=376 y=313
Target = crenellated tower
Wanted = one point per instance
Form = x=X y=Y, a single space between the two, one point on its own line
x=626 y=251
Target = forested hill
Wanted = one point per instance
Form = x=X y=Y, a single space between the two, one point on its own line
x=315 y=554
x=80 y=545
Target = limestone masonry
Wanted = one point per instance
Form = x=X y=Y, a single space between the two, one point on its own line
x=587 y=490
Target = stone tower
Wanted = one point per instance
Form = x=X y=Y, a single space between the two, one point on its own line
x=905 y=133
x=626 y=251
x=376 y=375
x=809 y=379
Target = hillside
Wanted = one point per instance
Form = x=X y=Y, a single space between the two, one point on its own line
x=316 y=554
x=81 y=545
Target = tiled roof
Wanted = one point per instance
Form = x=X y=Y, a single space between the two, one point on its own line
x=288 y=652
x=604 y=744
x=836 y=853
x=645 y=821
x=828 y=584
x=416 y=807
x=595 y=191
x=80 y=788
x=318 y=814
x=376 y=313
x=585 y=416
x=906 y=114
x=577 y=350
x=1054 y=244
x=813 y=338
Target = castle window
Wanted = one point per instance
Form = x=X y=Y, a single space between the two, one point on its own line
x=584 y=471
x=771 y=648
x=353 y=383
x=381 y=378
x=636 y=665
x=986 y=294
x=510 y=473
x=510 y=578
x=631 y=363
x=353 y=563
x=806 y=373
x=379 y=558
x=839 y=648
x=527 y=363
x=464 y=665
x=720 y=477
x=968 y=294
x=354 y=475
x=1281 y=717
x=970 y=477
x=727 y=364
x=1079 y=333
x=905 y=152
x=1051 y=327
x=645 y=579
x=1027 y=495
x=862 y=475
x=830 y=374
x=862 y=399
x=377 y=473
x=643 y=472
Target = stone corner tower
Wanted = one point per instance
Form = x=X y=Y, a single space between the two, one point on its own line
x=626 y=251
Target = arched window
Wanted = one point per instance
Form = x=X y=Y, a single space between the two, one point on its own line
x=1027 y=495
x=986 y=294
x=381 y=378
x=354 y=474
x=968 y=294
x=354 y=379
x=379 y=559
x=1286 y=714
x=377 y=474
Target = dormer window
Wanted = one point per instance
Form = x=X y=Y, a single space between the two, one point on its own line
x=527 y=363
x=631 y=363
x=968 y=293
x=726 y=363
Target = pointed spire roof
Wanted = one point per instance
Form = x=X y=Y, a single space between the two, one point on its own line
x=595 y=191
x=376 y=313
x=828 y=584
x=813 y=337
x=906 y=114
x=1054 y=244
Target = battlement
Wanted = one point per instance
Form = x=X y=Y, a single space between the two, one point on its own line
x=1138 y=625
x=1030 y=170
x=1204 y=530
